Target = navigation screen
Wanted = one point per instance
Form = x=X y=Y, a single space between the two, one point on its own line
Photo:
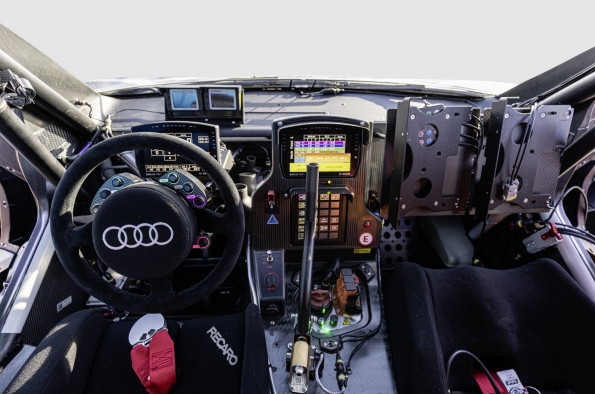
x=222 y=99
x=184 y=99
x=336 y=149
x=326 y=150
x=153 y=163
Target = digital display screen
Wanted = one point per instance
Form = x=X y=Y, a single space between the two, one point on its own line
x=158 y=162
x=328 y=150
x=334 y=147
x=154 y=162
x=223 y=99
x=184 y=99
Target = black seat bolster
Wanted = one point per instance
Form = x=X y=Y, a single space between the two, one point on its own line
x=534 y=319
x=416 y=351
x=255 y=376
x=61 y=362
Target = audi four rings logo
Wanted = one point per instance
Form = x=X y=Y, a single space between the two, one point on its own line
x=155 y=230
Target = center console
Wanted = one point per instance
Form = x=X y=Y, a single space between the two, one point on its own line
x=344 y=297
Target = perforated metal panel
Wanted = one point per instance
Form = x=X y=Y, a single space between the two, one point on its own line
x=398 y=246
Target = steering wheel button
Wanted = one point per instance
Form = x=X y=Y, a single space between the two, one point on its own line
x=104 y=194
x=188 y=188
x=173 y=178
x=117 y=182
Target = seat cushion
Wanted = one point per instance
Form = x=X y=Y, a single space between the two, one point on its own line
x=534 y=319
x=83 y=353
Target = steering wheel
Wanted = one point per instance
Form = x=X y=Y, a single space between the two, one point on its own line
x=144 y=207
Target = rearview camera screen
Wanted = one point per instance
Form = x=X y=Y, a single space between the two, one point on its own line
x=184 y=99
x=222 y=99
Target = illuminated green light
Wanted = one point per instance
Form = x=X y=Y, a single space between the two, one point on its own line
x=163 y=180
x=323 y=310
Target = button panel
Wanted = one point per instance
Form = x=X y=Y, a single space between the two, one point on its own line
x=270 y=273
x=331 y=219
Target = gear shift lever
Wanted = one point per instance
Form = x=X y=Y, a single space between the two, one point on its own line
x=302 y=358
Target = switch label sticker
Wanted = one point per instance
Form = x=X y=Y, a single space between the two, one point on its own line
x=366 y=239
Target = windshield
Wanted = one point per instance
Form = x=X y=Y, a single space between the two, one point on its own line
x=373 y=40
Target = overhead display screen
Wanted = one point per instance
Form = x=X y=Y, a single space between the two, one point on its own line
x=328 y=150
x=153 y=163
x=336 y=149
x=222 y=99
x=184 y=99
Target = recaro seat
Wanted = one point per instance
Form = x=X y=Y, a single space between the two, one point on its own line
x=86 y=354
x=534 y=319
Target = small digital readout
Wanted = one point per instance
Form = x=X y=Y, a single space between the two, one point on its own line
x=223 y=99
x=326 y=150
x=184 y=99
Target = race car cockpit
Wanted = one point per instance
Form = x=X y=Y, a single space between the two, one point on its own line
x=294 y=235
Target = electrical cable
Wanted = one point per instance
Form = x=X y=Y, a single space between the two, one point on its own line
x=469 y=145
x=469 y=137
x=319 y=383
x=588 y=238
x=474 y=357
x=523 y=145
x=480 y=139
x=476 y=128
x=562 y=199
x=363 y=338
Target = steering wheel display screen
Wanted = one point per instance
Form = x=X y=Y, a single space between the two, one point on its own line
x=152 y=163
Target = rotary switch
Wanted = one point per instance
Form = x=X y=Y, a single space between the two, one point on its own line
x=271 y=280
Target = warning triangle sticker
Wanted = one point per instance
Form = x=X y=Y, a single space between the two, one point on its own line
x=346 y=322
x=272 y=220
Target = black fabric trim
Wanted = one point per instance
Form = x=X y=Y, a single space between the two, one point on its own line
x=255 y=372
x=61 y=362
x=534 y=319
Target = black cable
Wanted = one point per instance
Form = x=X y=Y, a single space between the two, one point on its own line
x=469 y=145
x=564 y=196
x=474 y=165
x=469 y=137
x=523 y=145
x=472 y=126
x=363 y=338
x=588 y=238
x=474 y=357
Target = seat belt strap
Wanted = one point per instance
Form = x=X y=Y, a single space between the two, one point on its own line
x=484 y=382
x=507 y=381
x=153 y=358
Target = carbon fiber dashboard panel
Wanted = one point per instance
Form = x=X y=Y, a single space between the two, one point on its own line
x=278 y=236
x=432 y=168
x=538 y=173
x=57 y=298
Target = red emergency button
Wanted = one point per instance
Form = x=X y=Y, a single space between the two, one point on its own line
x=367 y=224
x=366 y=239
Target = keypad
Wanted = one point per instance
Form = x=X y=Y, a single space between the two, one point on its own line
x=330 y=217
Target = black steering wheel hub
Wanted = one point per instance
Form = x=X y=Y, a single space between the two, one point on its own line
x=144 y=231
